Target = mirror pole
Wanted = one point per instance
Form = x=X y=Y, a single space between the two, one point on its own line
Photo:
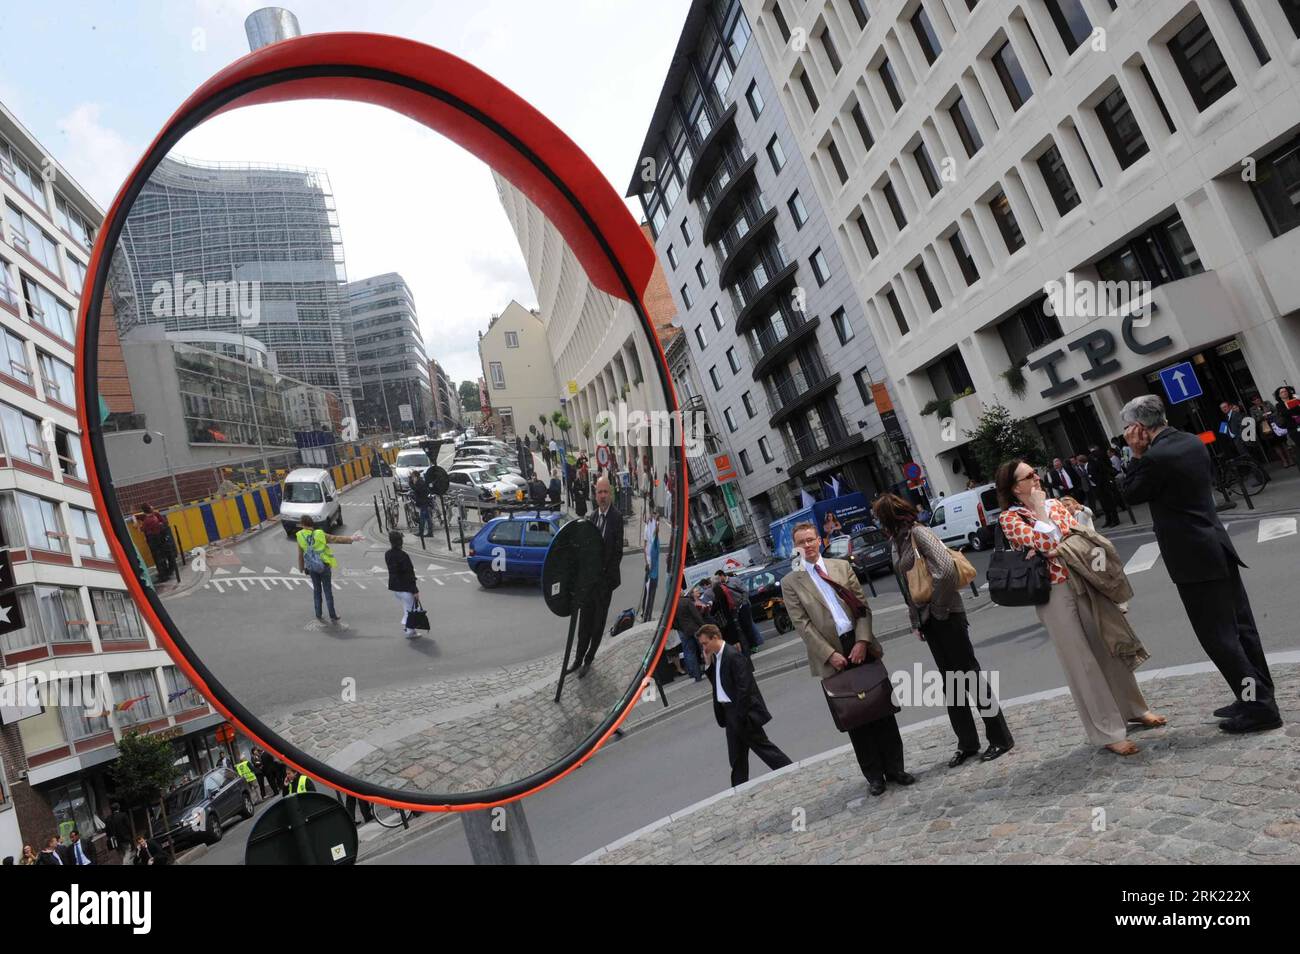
x=500 y=836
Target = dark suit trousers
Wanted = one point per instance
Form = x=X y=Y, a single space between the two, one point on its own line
x=949 y=642
x=878 y=745
x=592 y=626
x=740 y=741
x=1223 y=622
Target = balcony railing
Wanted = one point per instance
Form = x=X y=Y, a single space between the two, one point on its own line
x=765 y=266
x=816 y=440
x=791 y=387
x=729 y=165
x=750 y=211
x=765 y=340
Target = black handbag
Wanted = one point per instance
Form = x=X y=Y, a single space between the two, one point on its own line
x=1013 y=579
x=418 y=617
x=860 y=694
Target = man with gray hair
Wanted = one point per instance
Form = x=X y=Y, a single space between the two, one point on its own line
x=1172 y=471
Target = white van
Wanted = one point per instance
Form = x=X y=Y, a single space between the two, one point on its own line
x=967 y=518
x=310 y=491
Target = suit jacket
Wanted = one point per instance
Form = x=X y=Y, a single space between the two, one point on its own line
x=747 y=710
x=1055 y=484
x=611 y=546
x=687 y=620
x=1175 y=476
x=812 y=618
x=69 y=858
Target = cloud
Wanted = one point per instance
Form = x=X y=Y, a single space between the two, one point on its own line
x=98 y=157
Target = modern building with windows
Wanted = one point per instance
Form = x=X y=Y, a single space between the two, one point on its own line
x=75 y=614
x=1135 y=164
x=518 y=372
x=393 y=367
x=787 y=361
x=446 y=399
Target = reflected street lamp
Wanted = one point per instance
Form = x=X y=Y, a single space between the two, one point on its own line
x=167 y=461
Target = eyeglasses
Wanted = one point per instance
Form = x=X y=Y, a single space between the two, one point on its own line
x=1030 y=476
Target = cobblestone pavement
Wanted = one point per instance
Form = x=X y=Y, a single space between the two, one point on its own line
x=1194 y=794
x=471 y=733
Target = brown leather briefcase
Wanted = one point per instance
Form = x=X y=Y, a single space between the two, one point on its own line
x=860 y=694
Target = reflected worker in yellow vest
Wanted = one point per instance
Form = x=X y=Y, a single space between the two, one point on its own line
x=295 y=783
x=316 y=559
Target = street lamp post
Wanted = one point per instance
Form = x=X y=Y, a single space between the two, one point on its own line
x=167 y=462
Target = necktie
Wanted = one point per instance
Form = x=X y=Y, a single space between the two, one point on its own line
x=856 y=608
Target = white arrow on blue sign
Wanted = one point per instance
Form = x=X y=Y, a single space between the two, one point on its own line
x=1180 y=382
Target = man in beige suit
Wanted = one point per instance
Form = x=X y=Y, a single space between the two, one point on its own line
x=830 y=614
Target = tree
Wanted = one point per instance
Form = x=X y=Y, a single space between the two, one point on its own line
x=555 y=421
x=565 y=425
x=469 y=396
x=999 y=437
x=144 y=772
x=541 y=419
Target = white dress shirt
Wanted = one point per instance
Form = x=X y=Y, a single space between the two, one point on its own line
x=842 y=622
x=717 y=675
x=79 y=855
x=1064 y=476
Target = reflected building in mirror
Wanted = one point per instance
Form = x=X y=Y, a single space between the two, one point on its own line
x=520 y=374
x=391 y=360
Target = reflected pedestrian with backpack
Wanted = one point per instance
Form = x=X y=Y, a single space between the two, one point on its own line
x=316 y=559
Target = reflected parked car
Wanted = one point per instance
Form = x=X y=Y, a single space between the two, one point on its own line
x=762 y=585
x=513 y=546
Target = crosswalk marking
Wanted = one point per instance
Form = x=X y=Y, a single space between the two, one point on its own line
x=1145 y=557
x=438 y=581
x=1273 y=528
x=245 y=569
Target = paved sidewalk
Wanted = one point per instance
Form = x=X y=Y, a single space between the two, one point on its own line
x=1194 y=794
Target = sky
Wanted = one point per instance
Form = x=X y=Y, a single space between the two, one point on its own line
x=95 y=81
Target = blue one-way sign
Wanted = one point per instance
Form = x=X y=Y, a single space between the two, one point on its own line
x=1180 y=382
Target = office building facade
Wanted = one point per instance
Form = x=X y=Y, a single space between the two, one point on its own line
x=396 y=391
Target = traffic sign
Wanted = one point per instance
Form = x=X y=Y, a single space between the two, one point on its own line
x=912 y=470
x=602 y=456
x=1180 y=382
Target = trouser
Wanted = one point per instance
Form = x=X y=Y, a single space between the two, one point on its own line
x=408 y=603
x=949 y=642
x=591 y=627
x=367 y=812
x=261 y=784
x=691 y=654
x=1104 y=689
x=161 y=549
x=320 y=583
x=745 y=620
x=878 y=745
x=1225 y=625
x=426 y=521
x=1108 y=502
x=648 y=600
x=741 y=740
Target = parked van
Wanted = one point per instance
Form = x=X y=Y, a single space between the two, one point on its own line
x=310 y=491
x=967 y=518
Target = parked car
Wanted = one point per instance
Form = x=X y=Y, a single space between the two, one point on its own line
x=310 y=491
x=763 y=584
x=199 y=810
x=477 y=484
x=513 y=546
x=870 y=553
x=967 y=518
x=408 y=462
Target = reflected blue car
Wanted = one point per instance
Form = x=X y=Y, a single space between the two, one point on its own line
x=513 y=547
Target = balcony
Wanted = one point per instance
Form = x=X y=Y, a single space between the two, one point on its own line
x=706 y=153
x=798 y=391
x=722 y=193
x=740 y=244
x=752 y=293
x=817 y=446
x=775 y=344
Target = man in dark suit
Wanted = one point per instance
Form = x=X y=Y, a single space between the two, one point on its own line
x=76 y=851
x=1171 y=470
x=738 y=706
x=1230 y=428
x=1064 y=481
x=610 y=524
x=1102 y=477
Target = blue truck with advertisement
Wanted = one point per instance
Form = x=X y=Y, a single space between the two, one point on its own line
x=837 y=517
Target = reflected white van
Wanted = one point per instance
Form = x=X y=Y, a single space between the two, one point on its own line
x=310 y=491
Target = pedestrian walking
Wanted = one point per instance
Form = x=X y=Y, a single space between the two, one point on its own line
x=1104 y=689
x=554 y=490
x=1172 y=472
x=259 y=760
x=738 y=706
x=78 y=852
x=401 y=581
x=650 y=532
x=119 y=829
x=941 y=623
x=725 y=609
x=1101 y=474
x=1231 y=429
x=1286 y=415
x=580 y=497
x=593 y=616
x=687 y=621
x=1267 y=430
x=316 y=559
x=158 y=536
x=830 y=613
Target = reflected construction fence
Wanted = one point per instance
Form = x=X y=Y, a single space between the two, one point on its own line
x=239 y=507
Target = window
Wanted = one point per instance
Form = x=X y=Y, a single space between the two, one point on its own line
x=965 y=261
x=966 y=128
x=1013 y=78
x=840 y=322
x=781 y=25
x=672 y=256
x=891 y=84
x=776 y=154
x=136 y=697
x=860 y=12
x=512 y=339
x=1161 y=254
x=47 y=614
x=70 y=802
x=699 y=337
x=88 y=535
x=39 y=520
x=929 y=174
x=8 y=291
x=47 y=311
x=896 y=207
x=863 y=380
x=755 y=99
x=713 y=376
x=701 y=274
x=686 y=296
x=1122 y=129
x=22 y=173
x=867 y=237
x=744 y=462
x=1248 y=28
x=1028 y=328
x=808 y=91
x=821 y=270
x=59 y=378
x=67 y=447
x=1007 y=224
x=926 y=35
x=832 y=54
x=730 y=418
x=1201 y=63
x=1277 y=188
x=1160 y=102
x=949 y=376
x=686 y=233
x=537 y=533
x=506 y=532
x=732 y=360
x=77 y=271
x=1292 y=10
x=897 y=310
x=1071 y=22
x=22 y=436
x=180 y=694
x=864 y=132
x=73 y=222
x=498 y=374
x=765 y=448
x=32 y=239
x=797 y=210
x=717 y=317
x=14 y=356
x=834 y=152
x=748 y=401
x=1058 y=180
x=927 y=286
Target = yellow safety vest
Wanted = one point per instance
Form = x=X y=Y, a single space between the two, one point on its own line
x=302 y=785
x=246 y=771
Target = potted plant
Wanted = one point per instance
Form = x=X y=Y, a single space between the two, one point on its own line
x=1015 y=378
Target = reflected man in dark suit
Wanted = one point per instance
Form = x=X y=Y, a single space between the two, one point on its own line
x=610 y=524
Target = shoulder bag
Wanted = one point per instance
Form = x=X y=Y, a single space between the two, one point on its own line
x=1014 y=580
x=417 y=617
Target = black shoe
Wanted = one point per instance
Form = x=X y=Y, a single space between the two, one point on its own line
x=572 y=669
x=961 y=756
x=336 y=619
x=877 y=787
x=902 y=778
x=586 y=668
x=995 y=752
x=1228 y=711
x=1240 y=724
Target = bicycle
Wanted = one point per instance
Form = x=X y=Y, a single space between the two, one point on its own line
x=389 y=817
x=1240 y=475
